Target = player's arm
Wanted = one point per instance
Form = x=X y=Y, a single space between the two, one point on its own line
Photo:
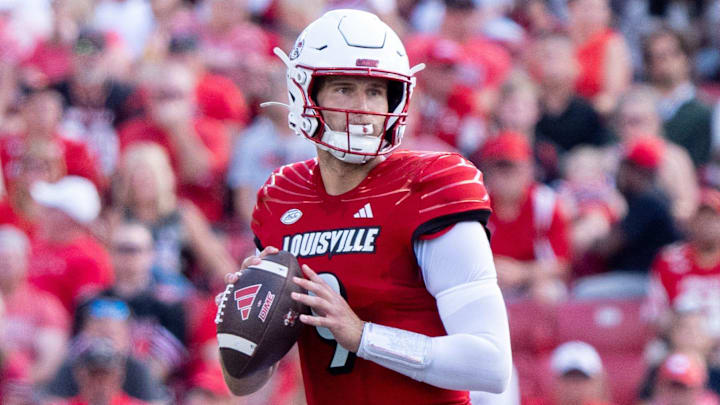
x=459 y=272
x=475 y=355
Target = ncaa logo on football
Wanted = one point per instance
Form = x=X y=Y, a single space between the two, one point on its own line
x=291 y=216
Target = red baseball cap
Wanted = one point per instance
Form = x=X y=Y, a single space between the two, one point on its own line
x=685 y=369
x=645 y=151
x=444 y=51
x=508 y=146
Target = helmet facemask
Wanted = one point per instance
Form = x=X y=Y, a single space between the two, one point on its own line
x=357 y=143
x=348 y=43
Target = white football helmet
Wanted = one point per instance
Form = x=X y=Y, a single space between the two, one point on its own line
x=352 y=43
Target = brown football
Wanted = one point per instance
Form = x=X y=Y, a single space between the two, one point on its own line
x=257 y=320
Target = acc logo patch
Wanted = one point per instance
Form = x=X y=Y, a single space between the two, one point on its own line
x=291 y=216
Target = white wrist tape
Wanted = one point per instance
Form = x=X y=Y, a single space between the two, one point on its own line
x=384 y=344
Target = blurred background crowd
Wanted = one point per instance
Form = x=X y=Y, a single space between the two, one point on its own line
x=132 y=145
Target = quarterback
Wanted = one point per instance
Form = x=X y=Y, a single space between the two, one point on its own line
x=403 y=290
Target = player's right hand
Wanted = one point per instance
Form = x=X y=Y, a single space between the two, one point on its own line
x=230 y=278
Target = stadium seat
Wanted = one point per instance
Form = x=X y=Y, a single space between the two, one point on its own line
x=618 y=331
x=625 y=373
x=608 y=325
x=533 y=326
x=533 y=332
x=613 y=285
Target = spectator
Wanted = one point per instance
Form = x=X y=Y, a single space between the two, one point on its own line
x=687 y=121
x=530 y=239
x=129 y=20
x=158 y=330
x=198 y=147
x=145 y=192
x=66 y=260
x=637 y=116
x=537 y=17
x=648 y=225
x=605 y=65
x=170 y=18
x=96 y=103
x=50 y=60
x=518 y=108
x=681 y=380
x=485 y=63
x=217 y=95
x=267 y=144
x=99 y=369
x=688 y=273
x=42 y=160
x=41 y=114
x=15 y=384
x=232 y=44
x=592 y=203
x=447 y=111
x=685 y=331
x=518 y=111
x=460 y=24
x=578 y=377
x=109 y=320
x=36 y=325
x=568 y=120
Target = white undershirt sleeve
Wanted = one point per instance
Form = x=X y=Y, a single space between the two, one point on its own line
x=475 y=355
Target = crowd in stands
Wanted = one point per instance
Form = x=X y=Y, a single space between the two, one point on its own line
x=132 y=145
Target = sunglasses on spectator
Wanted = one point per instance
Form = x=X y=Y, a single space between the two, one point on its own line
x=109 y=309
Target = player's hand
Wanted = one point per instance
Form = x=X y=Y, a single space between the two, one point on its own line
x=331 y=310
x=230 y=278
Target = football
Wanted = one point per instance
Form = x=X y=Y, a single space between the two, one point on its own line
x=257 y=320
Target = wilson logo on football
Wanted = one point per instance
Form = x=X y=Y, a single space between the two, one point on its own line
x=245 y=298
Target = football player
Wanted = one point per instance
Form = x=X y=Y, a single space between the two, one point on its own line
x=402 y=286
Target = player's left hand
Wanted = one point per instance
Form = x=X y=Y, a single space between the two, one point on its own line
x=331 y=310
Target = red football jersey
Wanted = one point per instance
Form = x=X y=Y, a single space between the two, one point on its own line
x=362 y=244
x=679 y=281
x=539 y=231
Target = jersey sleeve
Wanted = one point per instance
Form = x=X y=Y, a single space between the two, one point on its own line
x=449 y=190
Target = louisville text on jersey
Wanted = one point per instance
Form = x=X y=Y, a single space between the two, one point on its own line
x=332 y=242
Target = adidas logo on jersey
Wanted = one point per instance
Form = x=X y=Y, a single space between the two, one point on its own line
x=332 y=242
x=365 y=212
